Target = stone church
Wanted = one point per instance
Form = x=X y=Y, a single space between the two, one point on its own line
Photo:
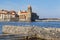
x=27 y=15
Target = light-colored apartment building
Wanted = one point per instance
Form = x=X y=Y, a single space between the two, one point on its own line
x=6 y=15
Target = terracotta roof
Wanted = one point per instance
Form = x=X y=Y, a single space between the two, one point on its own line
x=6 y=12
x=23 y=12
x=3 y=12
x=12 y=12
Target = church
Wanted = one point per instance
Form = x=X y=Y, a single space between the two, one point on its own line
x=27 y=15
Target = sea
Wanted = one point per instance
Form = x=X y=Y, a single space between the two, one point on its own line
x=39 y=24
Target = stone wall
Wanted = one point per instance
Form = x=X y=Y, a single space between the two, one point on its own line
x=46 y=33
x=15 y=29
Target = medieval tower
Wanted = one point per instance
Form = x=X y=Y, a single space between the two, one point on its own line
x=29 y=13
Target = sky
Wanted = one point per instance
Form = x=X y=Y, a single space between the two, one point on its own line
x=43 y=8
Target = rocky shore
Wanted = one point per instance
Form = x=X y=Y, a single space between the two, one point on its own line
x=40 y=32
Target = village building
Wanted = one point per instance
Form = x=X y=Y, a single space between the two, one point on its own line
x=12 y=16
x=4 y=15
x=7 y=15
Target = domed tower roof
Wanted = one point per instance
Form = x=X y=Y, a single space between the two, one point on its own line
x=29 y=6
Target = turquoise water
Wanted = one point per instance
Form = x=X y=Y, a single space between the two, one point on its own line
x=42 y=24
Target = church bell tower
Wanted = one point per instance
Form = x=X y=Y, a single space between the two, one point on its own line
x=29 y=12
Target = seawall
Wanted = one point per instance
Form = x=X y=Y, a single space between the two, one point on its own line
x=46 y=33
